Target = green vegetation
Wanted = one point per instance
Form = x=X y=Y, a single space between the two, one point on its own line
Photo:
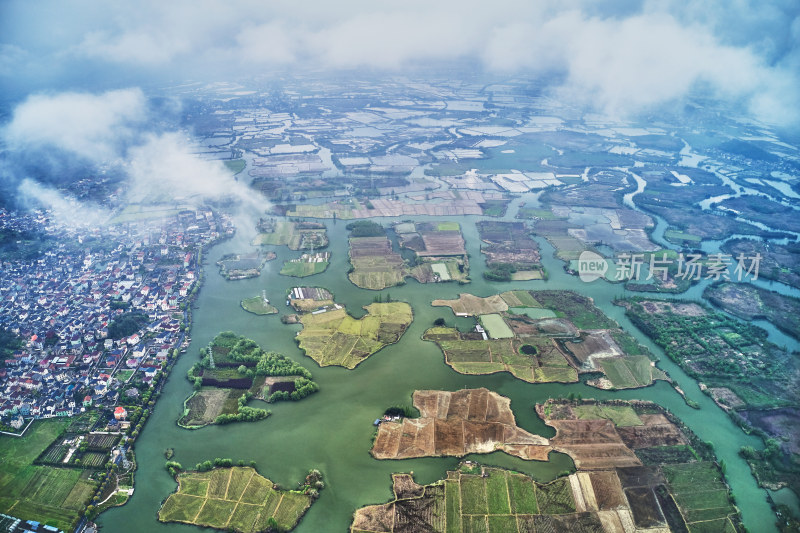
x=333 y=337
x=750 y=302
x=681 y=237
x=472 y=498
x=237 y=498
x=295 y=235
x=365 y=228
x=701 y=493
x=51 y=495
x=235 y=165
x=622 y=416
x=751 y=377
x=16 y=245
x=126 y=325
x=578 y=309
x=258 y=306
x=719 y=350
x=495 y=327
x=306 y=265
x=543 y=336
x=630 y=372
x=232 y=371
x=477 y=356
x=9 y=343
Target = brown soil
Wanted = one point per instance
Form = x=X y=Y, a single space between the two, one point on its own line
x=458 y=423
x=607 y=490
x=656 y=431
x=592 y=444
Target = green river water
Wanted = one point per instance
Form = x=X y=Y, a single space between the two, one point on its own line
x=331 y=430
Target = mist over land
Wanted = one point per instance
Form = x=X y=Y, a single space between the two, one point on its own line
x=79 y=78
x=172 y=172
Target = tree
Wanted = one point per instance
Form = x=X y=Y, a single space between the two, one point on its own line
x=242 y=369
x=272 y=524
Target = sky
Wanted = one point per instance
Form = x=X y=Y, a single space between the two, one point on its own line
x=612 y=54
x=75 y=74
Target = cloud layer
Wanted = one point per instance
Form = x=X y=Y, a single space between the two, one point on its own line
x=616 y=55
x=111 y=131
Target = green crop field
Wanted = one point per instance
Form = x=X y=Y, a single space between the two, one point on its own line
x=238 y=498
x=489 y=500
x=448 y=226
x=258 y=306
x=629 y=372
x=681 y=236
x=502 y=355
x=473 y=495
x=336 y=338
x=621 y=415
x=301 y=269
x=54 y=496
x=497 y=493
x=555 y=497
x=523 y=497
x=700 y=492
x=495 y=327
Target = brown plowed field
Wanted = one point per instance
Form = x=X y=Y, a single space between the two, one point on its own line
x=458 y=423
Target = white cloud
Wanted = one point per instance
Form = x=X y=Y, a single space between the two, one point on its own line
x=622 y=56
x=65 y=209
x=94 y=127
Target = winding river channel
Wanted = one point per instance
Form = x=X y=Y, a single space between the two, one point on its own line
x=332 y=430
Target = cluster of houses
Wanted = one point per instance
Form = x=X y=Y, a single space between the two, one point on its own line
x=63 y=302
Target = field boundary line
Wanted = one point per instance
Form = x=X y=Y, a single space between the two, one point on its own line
x=230 y=517
x=205 y=500
x=228 y=485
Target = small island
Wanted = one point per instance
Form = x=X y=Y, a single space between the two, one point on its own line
x=330 y=336
x=511 y=253
x=638 y=467
x=295 y=235
x=543 y=336
x=306 y=265
x=456 y=424
x=749 y=302
x=437 y=251
x=243 y=266
x=259 y=305
x=236 y=498
x=232 y=371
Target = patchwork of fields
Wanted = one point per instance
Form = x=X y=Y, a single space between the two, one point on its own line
x=295 y=235
x=333 y=337
x=637 y=469
x=51 y=495
x=543 y=336
x=235 y=498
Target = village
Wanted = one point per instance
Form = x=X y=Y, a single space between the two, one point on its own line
x=73 y=308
